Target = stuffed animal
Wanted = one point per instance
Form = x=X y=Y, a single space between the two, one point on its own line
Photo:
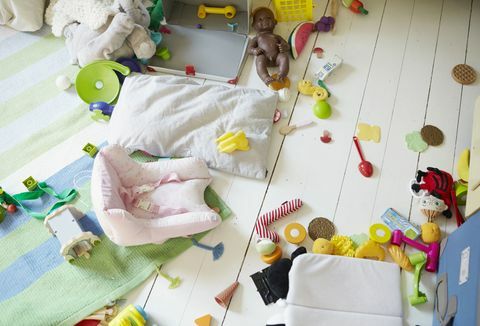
x=125 y=34
x=439 y=184
x=277 y=273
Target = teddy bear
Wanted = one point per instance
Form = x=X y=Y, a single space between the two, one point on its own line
x=124 y=34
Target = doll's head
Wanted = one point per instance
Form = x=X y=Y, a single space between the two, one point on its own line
x=263 y=20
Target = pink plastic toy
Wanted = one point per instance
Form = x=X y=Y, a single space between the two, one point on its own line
x=432 y=250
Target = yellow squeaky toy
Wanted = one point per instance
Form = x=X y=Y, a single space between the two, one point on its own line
x=430 y=232
x=322 y=246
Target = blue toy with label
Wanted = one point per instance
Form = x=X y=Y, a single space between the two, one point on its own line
x=457 y=292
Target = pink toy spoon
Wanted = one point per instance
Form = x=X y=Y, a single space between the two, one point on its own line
x=365 y=167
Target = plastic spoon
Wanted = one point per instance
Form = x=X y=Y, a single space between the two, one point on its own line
x=365 y=167
x=285 y=130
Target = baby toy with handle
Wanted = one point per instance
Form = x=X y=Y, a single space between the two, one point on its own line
x=432 y=250
x=228 y=11
x=97 y=81
x=418 y=260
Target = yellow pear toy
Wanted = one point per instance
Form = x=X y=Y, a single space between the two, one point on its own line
x=430 y=232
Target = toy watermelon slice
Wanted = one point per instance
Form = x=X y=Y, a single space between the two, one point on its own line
x=299 y=37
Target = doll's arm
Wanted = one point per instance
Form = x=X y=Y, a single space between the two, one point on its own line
x=253 y=47
x=282 y=44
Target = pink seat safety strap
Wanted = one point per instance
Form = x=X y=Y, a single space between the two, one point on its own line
x=133 y=196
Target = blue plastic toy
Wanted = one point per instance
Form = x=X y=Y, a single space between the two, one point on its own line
x=106 y=108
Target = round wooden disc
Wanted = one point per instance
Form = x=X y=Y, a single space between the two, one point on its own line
x=321 y=227
x=432 y=135
x=464 y=74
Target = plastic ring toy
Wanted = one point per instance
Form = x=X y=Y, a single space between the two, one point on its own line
x=300 y=235
x=273 y=257
x=277 y=85
x=385 y=233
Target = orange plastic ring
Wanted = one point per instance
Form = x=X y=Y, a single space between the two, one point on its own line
x=276 y=85
x=299 y=237
x=274 y=256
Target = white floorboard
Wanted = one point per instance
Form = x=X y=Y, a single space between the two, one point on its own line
x=396 y=74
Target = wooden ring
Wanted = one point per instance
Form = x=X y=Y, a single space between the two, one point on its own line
x=295 y=239
x=273 y=257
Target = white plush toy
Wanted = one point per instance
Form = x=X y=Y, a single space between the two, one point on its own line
x=124 y=32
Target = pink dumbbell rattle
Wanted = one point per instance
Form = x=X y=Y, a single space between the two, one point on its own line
x=432 y=250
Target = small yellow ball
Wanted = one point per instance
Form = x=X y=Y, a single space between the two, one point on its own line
x=322 y=246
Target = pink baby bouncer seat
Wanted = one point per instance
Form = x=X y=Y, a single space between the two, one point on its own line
x=138 y=203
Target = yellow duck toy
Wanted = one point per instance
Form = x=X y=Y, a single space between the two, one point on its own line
x=230 y=142
x=306 y=87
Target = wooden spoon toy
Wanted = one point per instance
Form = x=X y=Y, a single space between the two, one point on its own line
x=285 y=130
x=365 y=167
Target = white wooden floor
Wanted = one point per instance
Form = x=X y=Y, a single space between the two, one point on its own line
x=396 y=74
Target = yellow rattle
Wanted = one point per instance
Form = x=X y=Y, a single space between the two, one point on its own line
x=380 y=233
x=228 y=11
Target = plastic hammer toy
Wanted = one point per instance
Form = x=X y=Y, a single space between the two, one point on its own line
x=432 y=250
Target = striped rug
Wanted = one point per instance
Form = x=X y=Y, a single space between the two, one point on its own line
x=33 y=111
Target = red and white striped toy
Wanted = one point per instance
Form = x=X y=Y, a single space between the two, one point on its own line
x=286 y=208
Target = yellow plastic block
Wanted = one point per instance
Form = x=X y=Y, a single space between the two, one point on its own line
x=370 y=250
x=203 y=321
x=367 y=132
x=229 y=142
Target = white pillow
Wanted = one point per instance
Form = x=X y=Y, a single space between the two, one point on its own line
x=22 y=15
x=172 y=116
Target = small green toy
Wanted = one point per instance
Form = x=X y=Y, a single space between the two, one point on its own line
x=415 y=142
x=322 y=109
x=174 y=281
x=418 y=260
x=163 y=53
x=90 y=149
x=3 y=212
x=30 y=183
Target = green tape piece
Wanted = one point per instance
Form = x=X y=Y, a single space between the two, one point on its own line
x=44 y=139
x=20 y=60
x=32 y=97
x=25 y=238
